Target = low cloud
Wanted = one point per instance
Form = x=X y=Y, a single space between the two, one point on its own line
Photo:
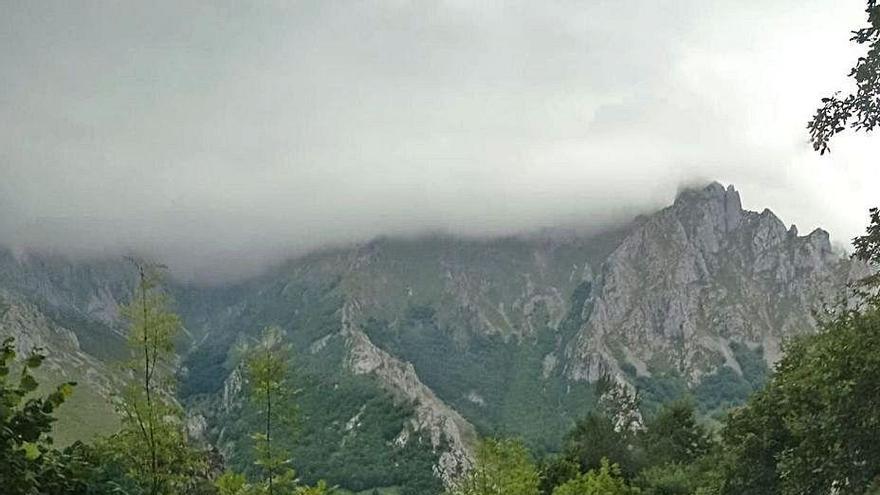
x=228 y=136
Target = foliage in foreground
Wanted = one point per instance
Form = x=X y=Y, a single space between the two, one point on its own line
x=503 y=467
x=266 y=366
x=152 y=443
x=27 y=462
x=859 y=110
x=606 y=480
x=816 y=427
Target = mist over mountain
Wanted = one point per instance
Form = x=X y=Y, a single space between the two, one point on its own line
x=408 y=348
x=200 y=133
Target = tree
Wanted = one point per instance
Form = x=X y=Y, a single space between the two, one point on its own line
x=621 y=404
x=704 y=476
x=231 y=483
x=754 y=436
x=26 y=456
x=606 y=480
x=593 y=438
x=152 y=441
x=502 y=467
x=868 y=250
x=320 y=489
x=816 y=427
x=674 y=436
x=868 y=245
x=86 y=469
x=833 y=427
x=859 y=110
x=830 y=401
x=266 y=367
x=667 y=479
x=556 y=470
x=270 y=393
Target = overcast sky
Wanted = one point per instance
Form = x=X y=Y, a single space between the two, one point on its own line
x=221 y=134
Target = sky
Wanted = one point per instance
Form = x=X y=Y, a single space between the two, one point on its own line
x=225 y=135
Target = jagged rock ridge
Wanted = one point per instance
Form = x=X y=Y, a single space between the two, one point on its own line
x=697 y=275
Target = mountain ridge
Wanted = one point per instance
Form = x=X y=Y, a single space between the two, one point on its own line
x=495 y=336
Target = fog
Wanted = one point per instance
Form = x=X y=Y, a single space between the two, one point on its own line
x=225 y=137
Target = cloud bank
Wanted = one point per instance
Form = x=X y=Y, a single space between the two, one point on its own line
x=221 y=137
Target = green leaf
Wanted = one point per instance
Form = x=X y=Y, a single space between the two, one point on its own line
x=28 y=383
x=62 y=393
x=31 y=450
x=66 y=389
x=35 y=360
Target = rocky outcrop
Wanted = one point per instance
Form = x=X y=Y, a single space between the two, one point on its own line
x=697 y=275
x=450 y=434
x=90 y=288
x=65 y=360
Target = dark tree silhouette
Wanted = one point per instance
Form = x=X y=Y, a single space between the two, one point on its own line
x=859 y=110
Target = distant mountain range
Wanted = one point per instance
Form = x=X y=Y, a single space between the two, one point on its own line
x=406 y=350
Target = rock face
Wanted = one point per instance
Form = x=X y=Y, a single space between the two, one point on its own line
x=694 y=277
x=92 y=289
x=448 y=432
x=66 y=361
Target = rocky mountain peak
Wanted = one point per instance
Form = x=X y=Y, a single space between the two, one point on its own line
x=714 y=191
x=698 y=275
x=712 y=206
x=820 y=239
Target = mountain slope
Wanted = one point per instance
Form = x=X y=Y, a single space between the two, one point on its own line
x=89 y=412
x=419 y=344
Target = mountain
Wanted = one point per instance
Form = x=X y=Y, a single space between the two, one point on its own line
x=407 y=349
x=698 y=275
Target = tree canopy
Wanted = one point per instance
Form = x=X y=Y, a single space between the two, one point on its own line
x=859 y=110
